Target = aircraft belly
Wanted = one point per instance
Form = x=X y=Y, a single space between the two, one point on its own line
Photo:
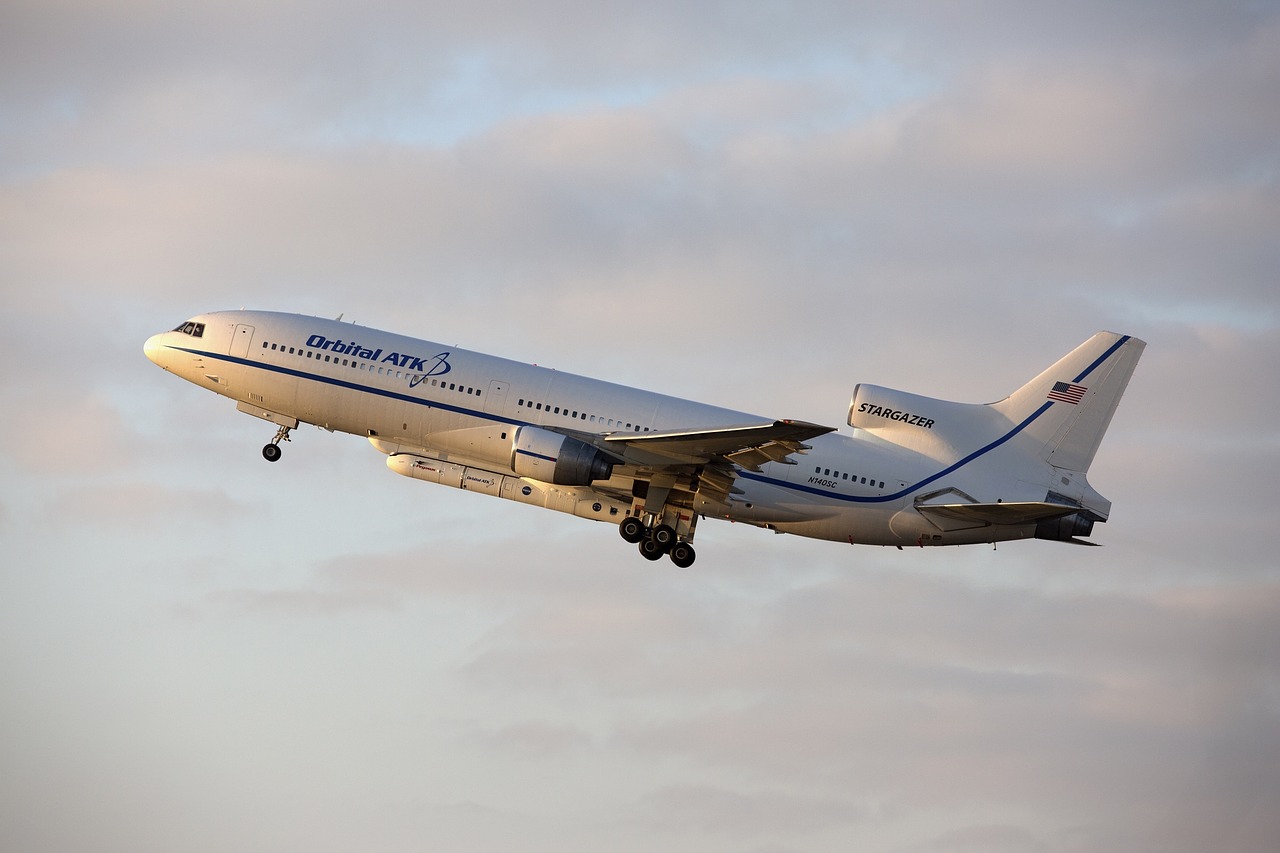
x=863 y=525
x=766 y=503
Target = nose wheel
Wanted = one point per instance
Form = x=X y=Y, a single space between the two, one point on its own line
x=272 y=451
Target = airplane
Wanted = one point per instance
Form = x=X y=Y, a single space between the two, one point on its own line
x=914 y=471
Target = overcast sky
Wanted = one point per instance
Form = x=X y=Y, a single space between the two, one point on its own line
x=755 y=204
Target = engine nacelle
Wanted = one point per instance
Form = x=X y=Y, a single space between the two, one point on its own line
x=550 y=457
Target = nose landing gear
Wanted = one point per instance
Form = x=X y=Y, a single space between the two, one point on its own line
x=272 y=451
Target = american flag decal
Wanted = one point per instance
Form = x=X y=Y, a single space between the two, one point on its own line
x=1067 y=393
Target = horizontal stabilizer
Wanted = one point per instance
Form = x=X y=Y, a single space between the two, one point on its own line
x=1014 y=512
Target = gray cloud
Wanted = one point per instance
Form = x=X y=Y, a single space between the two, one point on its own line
x=742 y=203
x=701 y=808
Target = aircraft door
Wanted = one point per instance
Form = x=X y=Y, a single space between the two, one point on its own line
x=240 y=340
x=496 y=400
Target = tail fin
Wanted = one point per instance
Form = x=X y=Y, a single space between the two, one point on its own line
x=1058 y=417
x=1068 y=407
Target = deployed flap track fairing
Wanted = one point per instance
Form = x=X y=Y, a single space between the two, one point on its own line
x=914 y=470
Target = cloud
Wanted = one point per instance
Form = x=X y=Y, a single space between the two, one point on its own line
x=539 y=740
x=751 y=205
x=706 y=809
x=985 y=838
x=143 y=505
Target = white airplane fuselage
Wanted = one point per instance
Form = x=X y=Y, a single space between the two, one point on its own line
x=498 y=426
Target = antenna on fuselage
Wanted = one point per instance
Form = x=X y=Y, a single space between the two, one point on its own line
x=338 y=319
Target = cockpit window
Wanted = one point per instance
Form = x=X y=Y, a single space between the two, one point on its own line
x=195 y=330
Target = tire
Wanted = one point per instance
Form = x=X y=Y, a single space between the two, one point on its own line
x=682 y=554
x=650 y=550
x=272 y=452
x=631 y=529
x=665 y=536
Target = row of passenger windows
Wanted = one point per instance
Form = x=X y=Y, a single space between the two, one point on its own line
x=380 y=370
x=837 y=475
x=375 y=369
x=584 y=416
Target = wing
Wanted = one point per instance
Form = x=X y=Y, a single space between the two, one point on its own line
x=749 y=446
x=704 y=461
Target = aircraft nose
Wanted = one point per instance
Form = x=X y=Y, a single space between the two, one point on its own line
x=153 y=349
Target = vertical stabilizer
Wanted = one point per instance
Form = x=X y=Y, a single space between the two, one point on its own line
x=1071 y=404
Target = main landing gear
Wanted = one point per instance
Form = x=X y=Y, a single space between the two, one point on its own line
x=272 y=451
x=656 y=541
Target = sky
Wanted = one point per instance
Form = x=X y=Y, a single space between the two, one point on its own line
x=754 y=204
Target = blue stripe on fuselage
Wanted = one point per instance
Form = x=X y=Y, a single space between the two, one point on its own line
x=744 y=474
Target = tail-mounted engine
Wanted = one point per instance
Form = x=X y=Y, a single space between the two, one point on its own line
x=1065 y=528
x=550 y=457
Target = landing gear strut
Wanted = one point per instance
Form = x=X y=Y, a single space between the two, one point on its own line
x=272 y=451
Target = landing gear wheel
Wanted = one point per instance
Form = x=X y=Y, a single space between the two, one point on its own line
x=272 y=451
x=631 y=529
x=664 y=535
x=682 y=555
x=650 y=550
